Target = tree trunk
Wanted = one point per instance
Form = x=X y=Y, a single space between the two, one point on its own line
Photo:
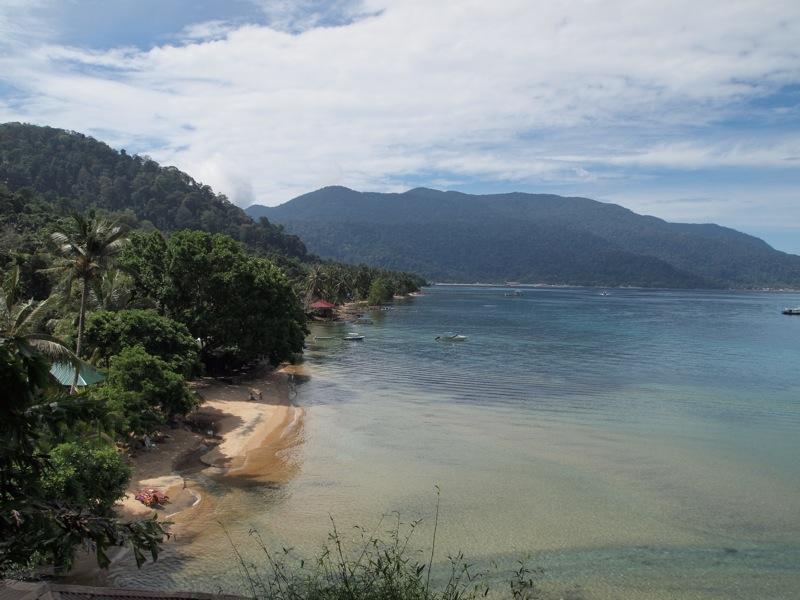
x=81 y=319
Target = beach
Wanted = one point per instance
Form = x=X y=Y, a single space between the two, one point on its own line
x=229 y=438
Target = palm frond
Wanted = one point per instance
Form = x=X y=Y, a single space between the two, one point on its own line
x=52 y=348
x=10 y=288
x=38 y=313
x=19 y=314
x=59 y=238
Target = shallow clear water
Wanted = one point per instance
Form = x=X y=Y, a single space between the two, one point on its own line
x=645 y=444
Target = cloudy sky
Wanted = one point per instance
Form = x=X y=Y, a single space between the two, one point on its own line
x=685 y=110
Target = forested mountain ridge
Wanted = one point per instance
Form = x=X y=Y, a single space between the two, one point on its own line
x=72 y=172
x=451 y=236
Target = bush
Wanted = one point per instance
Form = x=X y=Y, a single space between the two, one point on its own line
x=108 y=333
x=86 y=474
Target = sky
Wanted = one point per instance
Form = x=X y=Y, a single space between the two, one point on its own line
x=685 y=110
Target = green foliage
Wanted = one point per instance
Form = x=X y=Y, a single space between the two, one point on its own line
x=339 y=283
x=142 y=392
x=35 y=525
x=87 y=249
x=108 y=333
x=381 y=291
x=376 y=567
x=232 y=302
x=71 y=172
x=86 y=474
x=449 y=236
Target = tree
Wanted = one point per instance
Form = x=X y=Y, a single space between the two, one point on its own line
x=87 y=474
x=144 y=258
x=142 y=392
x=108 y=333
x=236 y=304
x=113 y=291
x=87 y=250
x=34 y=525
x=19 y=321
x=315 y=284
x=380 y=292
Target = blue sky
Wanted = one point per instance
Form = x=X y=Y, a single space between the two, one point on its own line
x=688 y=111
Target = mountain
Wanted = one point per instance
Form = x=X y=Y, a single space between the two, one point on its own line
x=535 y=238
x=67 y=171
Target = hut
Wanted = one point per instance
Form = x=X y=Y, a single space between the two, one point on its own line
x=322 y=309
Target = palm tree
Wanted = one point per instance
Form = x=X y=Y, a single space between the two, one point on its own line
x=87 y=250
x=114 y=291
x=19 y=320
x=316 y=281
x=339 y=285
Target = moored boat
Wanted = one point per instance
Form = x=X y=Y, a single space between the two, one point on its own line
x=451 y=337
x=792 y=311
x=353 y=337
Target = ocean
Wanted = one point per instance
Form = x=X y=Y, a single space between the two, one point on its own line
x=643 y=444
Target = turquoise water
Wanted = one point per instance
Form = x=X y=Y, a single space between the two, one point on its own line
x=644 y=444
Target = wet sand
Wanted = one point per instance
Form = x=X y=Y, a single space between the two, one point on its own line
x=233 y=439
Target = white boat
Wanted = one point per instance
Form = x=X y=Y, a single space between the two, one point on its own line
x=323 y=337
x=353 y=337
x=451 y=337
x=604 y=293
x=791 y=311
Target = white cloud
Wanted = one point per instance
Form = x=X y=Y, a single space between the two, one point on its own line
x=376 y=93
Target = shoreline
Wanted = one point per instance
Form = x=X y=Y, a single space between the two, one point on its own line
x=239 y=437
x=249 y=441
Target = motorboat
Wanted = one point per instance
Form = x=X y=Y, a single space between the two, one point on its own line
x=353 y=337
x=791 y=311
x=451 y=337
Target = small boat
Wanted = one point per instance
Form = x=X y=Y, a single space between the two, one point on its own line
x=451 y=337
x=363 y=321
x=353 y=337
x=323 y=337
x=791 y=311
x=514 y=294
x=604 y=293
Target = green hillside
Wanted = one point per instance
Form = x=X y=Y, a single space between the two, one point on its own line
x=70 y=172
x=450 y=236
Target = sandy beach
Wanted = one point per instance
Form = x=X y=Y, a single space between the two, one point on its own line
x=232 y=437
x=227 y=437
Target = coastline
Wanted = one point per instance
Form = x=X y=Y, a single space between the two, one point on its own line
x=249 y=441
x=237 y=437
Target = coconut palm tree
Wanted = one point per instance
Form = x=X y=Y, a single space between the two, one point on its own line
x=87 y=250
x=316 y=282
x=19 y=322
x=114 y=291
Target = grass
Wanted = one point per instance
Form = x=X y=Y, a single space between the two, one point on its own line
x=375 y=567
